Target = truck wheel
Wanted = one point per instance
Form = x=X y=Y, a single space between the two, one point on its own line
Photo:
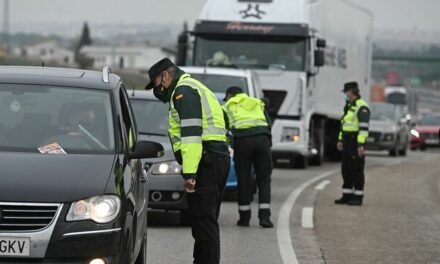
x=301 y=162
x=319 y=146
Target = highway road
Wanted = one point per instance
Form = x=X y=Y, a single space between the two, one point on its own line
x=397 y=224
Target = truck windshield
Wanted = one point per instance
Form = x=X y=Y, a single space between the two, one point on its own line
x=251 y=53
x=46 y=119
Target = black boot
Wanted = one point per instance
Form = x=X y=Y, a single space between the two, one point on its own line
x=264 y=216
x=356 y=200
x=245 y=217
x=344 y=199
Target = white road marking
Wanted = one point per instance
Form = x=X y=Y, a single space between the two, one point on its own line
x=285 y=244
x=307 y=217
x=322 y=185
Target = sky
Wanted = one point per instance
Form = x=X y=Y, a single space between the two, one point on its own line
x=389 y=14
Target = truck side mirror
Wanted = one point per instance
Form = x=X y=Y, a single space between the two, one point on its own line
x=321 y=43
x=319 y=58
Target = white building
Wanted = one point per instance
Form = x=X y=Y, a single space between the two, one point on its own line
x=127 y=57
x=48 y=52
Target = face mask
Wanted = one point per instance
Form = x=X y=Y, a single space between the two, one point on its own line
x=346 y=98
x=160 y=92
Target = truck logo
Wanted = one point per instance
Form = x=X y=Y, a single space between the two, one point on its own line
x=252 y=11
x=237 y=26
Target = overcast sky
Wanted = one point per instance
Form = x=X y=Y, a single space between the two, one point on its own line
x=389 y=14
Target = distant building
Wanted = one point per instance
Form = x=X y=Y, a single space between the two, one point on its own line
x=125 y=57
x=48 y=52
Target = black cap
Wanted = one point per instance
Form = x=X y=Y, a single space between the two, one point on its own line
x=350 y=86
x=231 y=91
x=156 y=69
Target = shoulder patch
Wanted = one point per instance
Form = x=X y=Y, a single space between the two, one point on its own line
x=179 y=96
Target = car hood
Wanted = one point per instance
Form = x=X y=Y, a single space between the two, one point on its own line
x=165 y=141
x=31 y=177
x=428 y=129
x=382 y=126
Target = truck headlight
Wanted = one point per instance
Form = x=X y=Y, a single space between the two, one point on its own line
x=101 y=209
x=415 y=133
x=290 y=134
x=167 y=168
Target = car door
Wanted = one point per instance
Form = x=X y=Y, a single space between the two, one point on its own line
x=138 y=176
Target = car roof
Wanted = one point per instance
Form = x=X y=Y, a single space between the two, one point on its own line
x=57 y=77
x=141 y=94
x=217 y=71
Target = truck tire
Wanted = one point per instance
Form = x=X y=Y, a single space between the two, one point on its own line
x=318 y=143
x=393 y=152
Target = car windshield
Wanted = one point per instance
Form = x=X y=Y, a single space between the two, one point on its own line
x=35 y=118
x=151 y=116
x=251 y=53
x=397 y=98
x=383 y=112
x=430 y=120
x=219 y=83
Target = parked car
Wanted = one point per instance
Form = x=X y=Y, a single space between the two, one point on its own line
x=425 y=134
x=72 y=185
x=389 y=129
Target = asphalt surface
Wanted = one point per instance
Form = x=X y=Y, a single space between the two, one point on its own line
x=397 y=224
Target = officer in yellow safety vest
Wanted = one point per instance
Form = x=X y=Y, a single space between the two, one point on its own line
x=352 y=138
x=198 y=136
x=251 y=130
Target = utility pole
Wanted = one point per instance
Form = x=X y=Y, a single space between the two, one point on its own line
x=6 y=25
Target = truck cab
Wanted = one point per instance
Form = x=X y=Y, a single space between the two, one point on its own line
x=288 y=43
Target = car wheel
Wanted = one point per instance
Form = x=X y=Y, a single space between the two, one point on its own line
x=393 y=152
x=423 y=148
x=185 y=218
x=230 y=195
x=142 y=256
x=301 y=162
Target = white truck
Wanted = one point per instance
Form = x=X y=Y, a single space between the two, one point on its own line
x=303 y=51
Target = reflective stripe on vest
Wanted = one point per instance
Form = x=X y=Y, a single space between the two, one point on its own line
x=246 y=112
x=207 y=121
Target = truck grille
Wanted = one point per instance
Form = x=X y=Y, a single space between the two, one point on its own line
x=276 y=99
x=15 y=217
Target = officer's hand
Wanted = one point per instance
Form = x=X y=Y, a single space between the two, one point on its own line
x=340 y=146
x=361 y=151
x=190 y=185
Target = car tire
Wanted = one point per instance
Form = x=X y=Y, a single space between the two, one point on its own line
x=185 y=218
x=142 y=256
x=230 y=195
x=301 y=162
x=393 y=152
x=423 y=148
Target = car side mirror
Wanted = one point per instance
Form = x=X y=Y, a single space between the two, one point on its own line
x=319 y=58
x=147 y=150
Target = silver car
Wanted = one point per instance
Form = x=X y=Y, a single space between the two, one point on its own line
x=389 y=129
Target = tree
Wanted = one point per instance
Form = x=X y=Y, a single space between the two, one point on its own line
x=84 y=40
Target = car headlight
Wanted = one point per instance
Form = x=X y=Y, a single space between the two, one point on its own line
x=415 y=133
x=101 y=209
x=290 y=134
x=166 y=168
x=388 y=137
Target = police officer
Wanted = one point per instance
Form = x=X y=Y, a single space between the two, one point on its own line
x=250 y=127
x=197 y=133
x=352 y=138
